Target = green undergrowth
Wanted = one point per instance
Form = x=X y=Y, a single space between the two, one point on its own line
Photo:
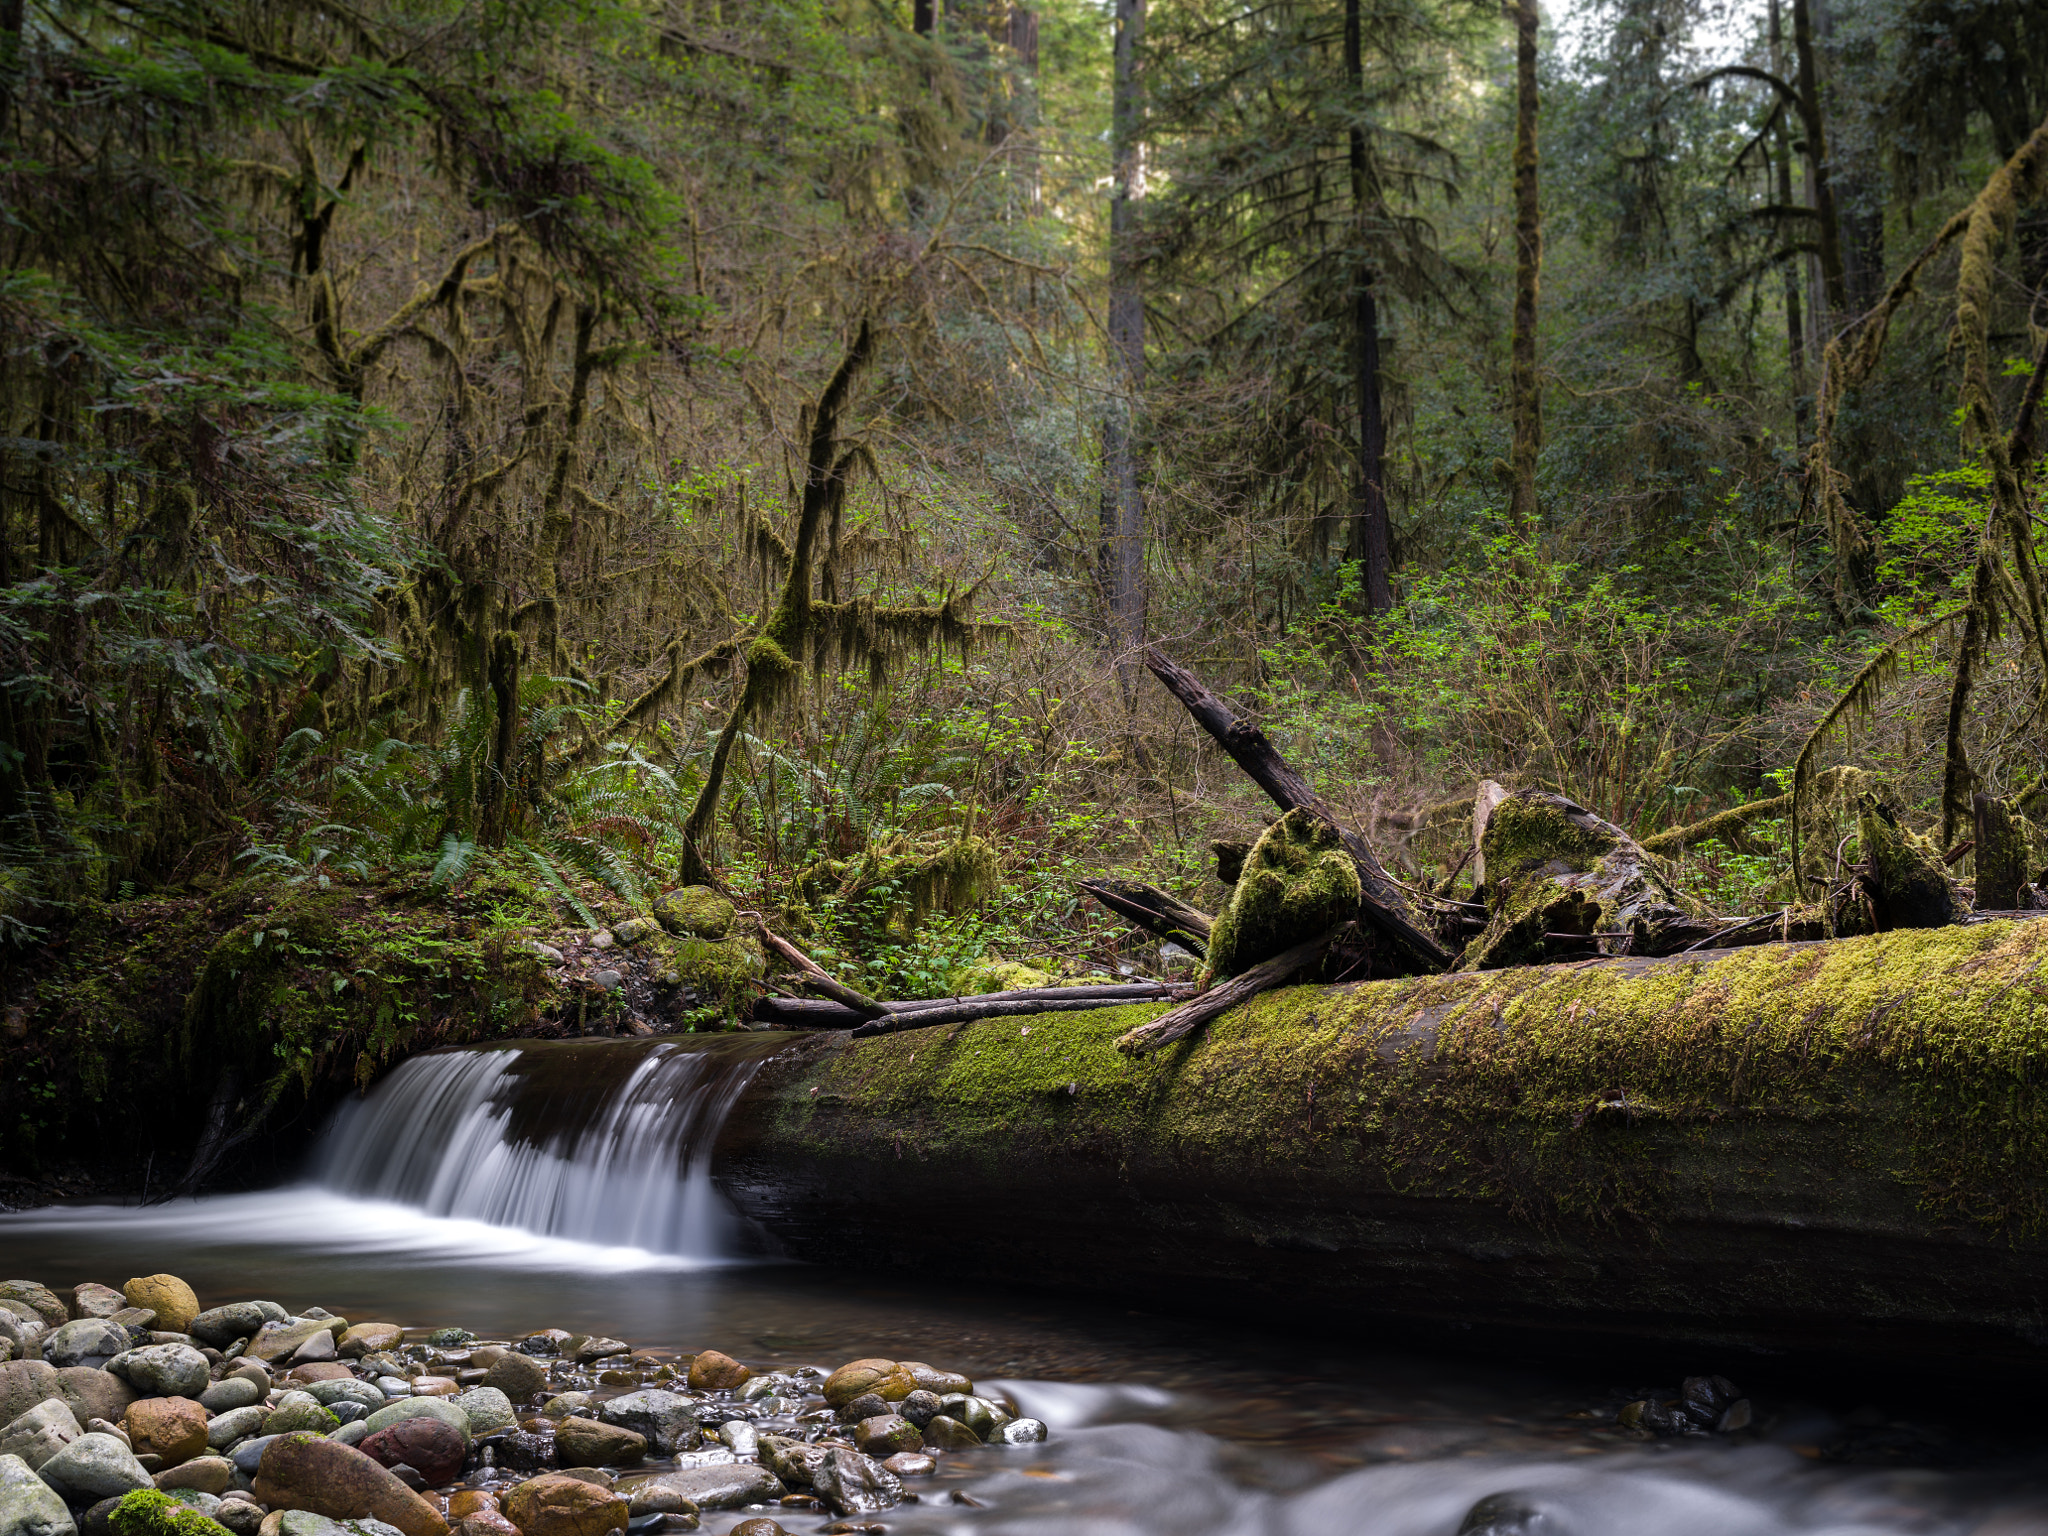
x=1900 y=1073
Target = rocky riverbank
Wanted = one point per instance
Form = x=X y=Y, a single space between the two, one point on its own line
x=136 y=1412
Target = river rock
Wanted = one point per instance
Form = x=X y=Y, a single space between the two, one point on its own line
x=297 y=1411
x=345 y=1389
x=95 y=1300
x=280 y=1341
x=519 y=1377
x=487 y=1409
x=921 y=1407
x=559 y=1505
x=40 y=1433
x=93 y=1467
x=597 y=1347
x=562 y=1404
x=302 y=1471
x=235 y=1424
x=1018 y=1432
x=244 y=1517
x=863 y=1376
x=655 y=1497
x=714 y=1372
x=20 y=1332
x=949 y=1434
x=319 y=1347
x=351 y=1434
x=416 y=1407
x=248 y=1455
x=89 y=1341
x=594 y=1443
x=93 y=1393
x=431 y=1448
x=221 y=1326
x=911 y=1464
x=208 y=1474
x=28 y=1505
x=867 y=1406
x=931 y=1379
x=728 y=1487
x=886 y=1434
x=485 y=1522
x=171 y=1427
x=163 y=1370
x=854 y=1485
x=38 y=1298
x=369 y=1339
x=319 y=1370
x=230 y=1392
x=667 y=1420
x=170 y=1298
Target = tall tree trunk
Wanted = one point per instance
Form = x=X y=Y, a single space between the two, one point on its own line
x=1829 y=224
x=1370 y=542
x=1795 y=324
x=1123 y=506
x=10 y=63
x=1524 y=389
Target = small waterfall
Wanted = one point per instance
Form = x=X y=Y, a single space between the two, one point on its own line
x=599 y=1142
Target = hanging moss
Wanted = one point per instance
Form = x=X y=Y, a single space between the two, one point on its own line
x=1297 y=882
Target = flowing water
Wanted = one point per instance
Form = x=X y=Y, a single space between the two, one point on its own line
x=507 y=1189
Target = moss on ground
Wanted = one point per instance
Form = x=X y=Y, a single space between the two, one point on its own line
x=147 y=1512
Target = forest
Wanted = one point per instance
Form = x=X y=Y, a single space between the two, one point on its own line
x=530 y=455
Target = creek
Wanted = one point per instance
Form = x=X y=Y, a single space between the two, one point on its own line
x=569 y=1185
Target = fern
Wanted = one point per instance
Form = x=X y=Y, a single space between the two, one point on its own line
x=553 y=879
x=456 y=853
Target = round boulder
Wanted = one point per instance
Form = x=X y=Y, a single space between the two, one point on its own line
x=431 y=1448
x=519 y=1377
x=170 y=1298
x=171 y=1427
x=302 y=1471
x=94 y=1467
x=89 y=1341
x=887 y=1434
x=229 y=1392
x=856 y=1379
x=714 y=1372
x=162 y=1370
x=208 y=1474
x=28 y=1505
x=591 y=1443
x=556 y=1505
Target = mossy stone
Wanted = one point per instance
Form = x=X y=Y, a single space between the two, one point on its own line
x=695 y=911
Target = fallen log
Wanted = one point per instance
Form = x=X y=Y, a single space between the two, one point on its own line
x=1158 y=913
x=814 y=1014
x=816 y=977
x=994 y=1006
x=1178 y=1023
x=1384 y=905
x=1673 y=841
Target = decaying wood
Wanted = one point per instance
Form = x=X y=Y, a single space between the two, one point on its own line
x=1177 y=1023
x=1675 y=840
x=2001 y=855
x=817 y=978
x=1384 y=905
x=1160 y=914
x=997 y=1006
x=814 y=1014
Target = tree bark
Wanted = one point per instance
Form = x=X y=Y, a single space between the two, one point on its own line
x=1178 y=1023
x=1523 y=386
x=1123 y=504
x=1369 y=540
x=1155 y=911
x=1795 y=325
x=1384 y=906
x=1829 y=232
x=2001 y=856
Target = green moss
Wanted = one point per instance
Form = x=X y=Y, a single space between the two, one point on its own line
x=986 y=976
x=720 y=968
x=1296 y=882
x=695 y=910
x=1523 y=835
x=1899 y=1074
x=147 y=1512
x=903 y=881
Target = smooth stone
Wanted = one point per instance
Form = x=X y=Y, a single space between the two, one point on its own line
x=304 y=1414
x=760 y=1525
x=244 y=1517
x=728 y=1487
x=394 y=1386
x=319 y=1370
x=193 y=1498
x=667 y=1420
x=40 y=1433
x=95 y=1300
x=977 y=1413
x=1738 y=1415
x=369 y=1339
x=163 y=1370
x=351 y=1434
x=655 y=1497
x=344 y=1389
x=487 y=1409
x=251 y=1370
x=519 y=1377
x=229 y=1392
x=921 y=1407
x=171 y=1299
x=40 y=1299
x=1018 y=1432
x=248 y=1456
x=433 y=1449
x=597 y=1347
x=89 y=1341
x=28 y=1505
x=221 y=1326
x=435 y=1386
x=486 y=1522
x=94 y=1467
x=339 y=1481
x=318 y=1346
x=559 y=1505
x=25 y=1383
x=595 y=1476
x=562 y=1404
x=886 y=1434
x=593 y=1443
x=208 y=1474
x=415 y=1407
x=714 y=1372
x=744 y=1439
x=930 y=1379
x=867 y=1406
x=859 y=1377
x=949 y=1434
x=94 y=1393
x=911 y=1464
x=235 y=1424
x=280 y=1341
x=174 y=1428
x=852 y=1484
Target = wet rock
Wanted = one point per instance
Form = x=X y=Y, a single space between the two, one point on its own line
x=792 y=1460
x=434 y=1449
x=280 y=1341
x=598 y=1347
x=667 y=1420
x=95 y=1300
x=248 y=1454
x=93 y=1393
x=977 y=1413
x=40 y=1433
x=866 y=1406
x=171 y=1427
x=344 y=1389
x=319 y=1371
x=928 y=1378
x=1512 y=1514
x=236 y=1424
x=886 y=1434
x=559 y=1505
x=485 y=1522
x=860 y=1377
x=729 y=1487
x=93 y=1467
x=28 y=1505
x=852 y=1484
x=714 y=1372
x=1706 y=1398
x=221 y=1326
x=450 y=1338
x=163 y=1370
x=760 y=1525
x=487 y=1409
x=562 y=1404
x=920 y=1407
x=655 y=1497
x=40 y=1299
x=303 y=1413
x=91 y=1341
x=547 y=1343
x=911 y=1464
x=949 y=1434
x=415 y=1407
x=740 y=1437
x=1018 y=1432
x=597 y=1477
x=368 y=1339
x=594 y=1443
x=521 y=1450
x=207 y=1474
x=1737 y=1415
x=171 y=1299
x=520 y=1377
x=229 y=1392
x=303 y=1471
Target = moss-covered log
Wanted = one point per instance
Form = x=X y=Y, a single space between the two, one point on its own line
x=1795 y=1144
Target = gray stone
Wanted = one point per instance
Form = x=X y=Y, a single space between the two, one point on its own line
x=1018 y=1432
x=666 y=1419
x=162 y=1370
x=89 y=1341
x=487 y=1409
x=92 y=1393
x=94 y=1467
x=28 y=1505
x=20 y=1333
x=41 y=1433
x=549 y=954
x=242 y=1516
x=352 y=1434
x=319 y=1346
x=235 y=1424
x=303 y=1522
x=231 y=1392
x=741 y=1436
x=272 y=1312
x=248 y=1456
x=329 y=1394
x=95 y=1300
x=853 y=1484
x=280 y=1341
x=23 y=1384
x=415 y=1407
x=302 y=1414
x=608 y=980
x=223 y=1325
x=519 y=1377
x=729 y=1487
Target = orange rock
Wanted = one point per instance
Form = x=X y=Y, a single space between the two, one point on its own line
x=170 y=1298
x=713 y=1372
x=303 y=1470
x=171 y=1427
x=467 y=1501
x=851 y=1380
x=486 y=1522
x=555 y=1505
x=320 y=1370
x=434 y=1386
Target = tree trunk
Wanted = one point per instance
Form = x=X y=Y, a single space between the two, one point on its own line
x=1369 y=541
x=1795 y=324
x=1123 y=506
x=1525 y=391
x=2001 y=856
x=1829 y=231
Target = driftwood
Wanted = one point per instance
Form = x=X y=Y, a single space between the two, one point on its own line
x=1384 y=905
x=812 y=1014
x=1162 y=915
x=1178 y=1023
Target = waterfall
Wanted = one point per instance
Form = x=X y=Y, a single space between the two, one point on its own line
x=598 y=1142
